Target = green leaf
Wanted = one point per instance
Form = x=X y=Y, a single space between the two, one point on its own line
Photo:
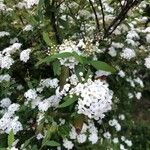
x=47 y=39
x=11 y=138
x=78 y=57
x=52 y=143
x=99 y=65
x=51 y=58
x=68 y=101
x=50 y=131
x=27 y=142
x=56 y=68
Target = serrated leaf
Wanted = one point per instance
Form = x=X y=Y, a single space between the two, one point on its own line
x=11 y=138
x=68 y=101
x=99 y=65
x=52 y=143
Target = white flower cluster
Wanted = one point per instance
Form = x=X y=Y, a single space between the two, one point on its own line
x=28 y=27
x=88 y=132
x=5 y=56
x=31 y=3
x=67 y=144
x=5 y=77
x=52 y=101
x=147 y=62
x=24 y=55
x=126 y=141
x=30 y=94
x=69 y=46
x=49 y=83
x=4 y=33
x=95 y=98
x=5 y=103
x=115 y=123
x=9 y=121
x=128 y=53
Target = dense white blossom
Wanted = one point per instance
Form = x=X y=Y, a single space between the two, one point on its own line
x=12 y=49
x=128 y=53
x=53 y=83
x=9 y=121
x=6 y=62
x=4 y=33
x=5 y=103
x=24 y=55
x=31 y=3
x=67 y=144
x=31 y=94
x=95 y=98
x=147 y=62
x=107 y=135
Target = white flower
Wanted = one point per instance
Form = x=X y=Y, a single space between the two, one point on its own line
x=112 y=122
x=28 y=27
x=130 y=95
x=44 y=105
x=128 y=142
x=31 y=94
x=122 y=147
x=13 y=108
x=93 y=137
x=95 y=98
x=4 y=33
x=67 y=144
x=147 y=62
x=31 y=3
x=39 y=136
x=107 y=135
x=112 y=52
x=100 y=73
x=138 y=95
x=5 y=103
x=73 y=79
x=121 y=117
x=132 y=35
x=12 y=49
x=24 y=55
x=53 y=83
x=81 y=138
x=121 y=73
x=117 y=45
x=128 y=53
x=6 y=62
x=148 y=38
x=115 y=140
x=5 y=77
x=139 y=81
x=14 y=40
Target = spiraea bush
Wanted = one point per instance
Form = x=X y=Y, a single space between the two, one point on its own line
x=71 y=71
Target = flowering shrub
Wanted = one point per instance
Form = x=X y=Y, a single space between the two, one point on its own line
x=70 y=71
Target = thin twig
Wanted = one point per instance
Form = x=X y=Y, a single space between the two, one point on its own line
x=103 y=15
x=96 y=18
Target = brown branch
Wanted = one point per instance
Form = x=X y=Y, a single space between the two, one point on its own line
x=96 y=18
x=103 y=15
x=122 y=15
